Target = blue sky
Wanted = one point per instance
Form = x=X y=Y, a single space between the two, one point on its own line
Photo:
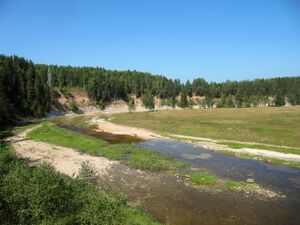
x=186 y=39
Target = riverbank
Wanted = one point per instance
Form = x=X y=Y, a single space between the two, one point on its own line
x=67 y=150
x=283 y=155
x=154 y=192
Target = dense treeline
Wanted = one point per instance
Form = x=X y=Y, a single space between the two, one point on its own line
x=106 y=85
x=25 y=88
x=246 y=93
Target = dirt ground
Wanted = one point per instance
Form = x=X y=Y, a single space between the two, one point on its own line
x=106 y=126
x=65 y=160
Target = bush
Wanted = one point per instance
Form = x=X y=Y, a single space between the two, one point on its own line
x=148 y=100
x=73 y=106
x=88 y=173
x=131 y=103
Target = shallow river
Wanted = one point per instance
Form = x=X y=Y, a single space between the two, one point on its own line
x=172 y=200
x=282 y=178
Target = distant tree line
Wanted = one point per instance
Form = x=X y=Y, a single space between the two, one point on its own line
x=25 y=88
x=107 y=85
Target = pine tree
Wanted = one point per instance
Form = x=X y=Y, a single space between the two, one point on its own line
x=279 y=98
x=131 y=103
x=188 y=89
x=222 y=102
x=148 y=100
x=183 y=100
x=173 y=101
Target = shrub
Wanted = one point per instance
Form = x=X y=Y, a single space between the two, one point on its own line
x=88 y=173
x=40 y=195
x=73 y=106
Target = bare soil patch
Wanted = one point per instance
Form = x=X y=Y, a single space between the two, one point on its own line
x=106 y=126
x=65 y=160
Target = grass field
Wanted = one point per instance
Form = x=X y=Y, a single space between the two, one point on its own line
x=273 y=125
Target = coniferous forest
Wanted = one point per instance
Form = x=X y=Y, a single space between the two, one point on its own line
x=26 y=88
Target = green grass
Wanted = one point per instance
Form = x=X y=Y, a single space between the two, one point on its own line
x=79 y=121
x=137 y=217
x=149 y=160
x=232 y=185
x=135 y=156
x=263 y=147
x=203 y=179
x=50 y=133
x=272 y=125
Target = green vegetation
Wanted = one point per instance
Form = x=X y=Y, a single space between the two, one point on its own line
x=203 y=179
x=28 y=89
x=147 y=159
x=136 y=156
x=131 y=103
x=66 y=92
x=232 y=185
x=40 y=195
x=148 y=100
x=49 y=132
x=73 y=106
x=279 y=126
x=263 y=147
x=79 y=121
x=183 y=100
x=23 y=89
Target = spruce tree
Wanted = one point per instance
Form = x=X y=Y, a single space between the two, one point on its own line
x=148 y=100
x=183 y=100
x=279 y=98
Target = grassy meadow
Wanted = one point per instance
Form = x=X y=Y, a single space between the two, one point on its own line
x=272 y=125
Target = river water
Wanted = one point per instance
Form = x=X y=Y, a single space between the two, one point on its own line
x=171 y=201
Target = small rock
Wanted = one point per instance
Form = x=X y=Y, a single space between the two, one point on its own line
x=250 y=180
x=187 y=176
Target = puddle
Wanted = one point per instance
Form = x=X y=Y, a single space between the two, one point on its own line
x=109 y=137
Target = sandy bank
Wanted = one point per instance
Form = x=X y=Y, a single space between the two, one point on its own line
x=213 y=145
x=65 y=160
x=106 y=126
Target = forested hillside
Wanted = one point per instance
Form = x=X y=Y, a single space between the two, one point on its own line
x=23 y=89
x=26 y=88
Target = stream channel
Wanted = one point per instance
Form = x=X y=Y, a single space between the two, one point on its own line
x=173 y=200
